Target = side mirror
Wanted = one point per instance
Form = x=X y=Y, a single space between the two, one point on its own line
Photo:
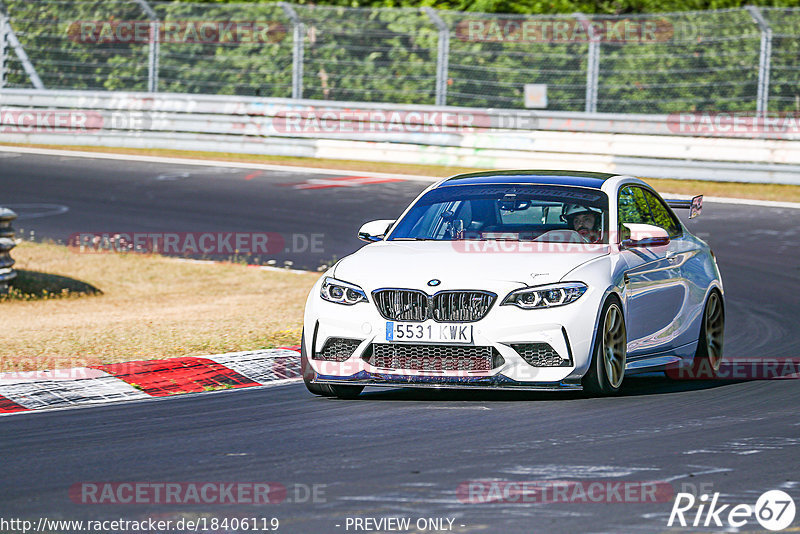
x=644 y=235
x=375 y=230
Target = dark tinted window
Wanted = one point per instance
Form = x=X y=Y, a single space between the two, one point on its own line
x=502 y=211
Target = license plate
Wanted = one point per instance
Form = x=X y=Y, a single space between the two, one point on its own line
x=436 y=332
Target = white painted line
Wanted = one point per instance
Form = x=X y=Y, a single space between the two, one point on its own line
x=222 y=262
x=36 y=210
x=314 y=170
x=282 y=269
x=211 y=163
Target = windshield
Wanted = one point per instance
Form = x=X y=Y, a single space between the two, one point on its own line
x=509 y=212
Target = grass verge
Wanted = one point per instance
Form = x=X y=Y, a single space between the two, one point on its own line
x=784 y=193
x=71 y=310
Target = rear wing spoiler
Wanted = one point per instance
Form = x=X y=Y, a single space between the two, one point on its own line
x=695 y=205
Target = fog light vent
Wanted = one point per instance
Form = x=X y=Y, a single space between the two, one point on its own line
x=540 y=355
x=337 y=349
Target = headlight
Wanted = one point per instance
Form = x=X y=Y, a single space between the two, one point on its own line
x=334 y=290
x=546 y=296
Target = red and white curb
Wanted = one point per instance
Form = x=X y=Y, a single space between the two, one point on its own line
x=100 y=384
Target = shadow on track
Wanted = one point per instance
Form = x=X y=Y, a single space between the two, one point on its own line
x=632 y=387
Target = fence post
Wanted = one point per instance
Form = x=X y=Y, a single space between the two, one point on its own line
x=592 y=64
x=764 y=60
x=7 y=272
x=153 y=48
x=3 y=49
x=153 y=56
x=442 y=55
x=298 y=39
x=11 y=39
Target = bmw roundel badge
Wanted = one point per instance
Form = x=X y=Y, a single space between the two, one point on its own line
x=435 y=282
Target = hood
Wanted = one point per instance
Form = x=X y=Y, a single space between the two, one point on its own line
x=462 y=264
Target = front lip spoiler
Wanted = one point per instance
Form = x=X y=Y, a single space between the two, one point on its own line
x=496 y=382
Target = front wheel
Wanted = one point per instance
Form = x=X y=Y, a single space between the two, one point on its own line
x=609 y=355
x=323 y=390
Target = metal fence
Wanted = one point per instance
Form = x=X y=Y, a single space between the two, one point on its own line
x=724 y=60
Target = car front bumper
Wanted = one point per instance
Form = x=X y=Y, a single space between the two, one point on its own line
x=569 y=330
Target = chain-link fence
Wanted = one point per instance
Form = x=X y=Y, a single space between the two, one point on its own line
x=725 y=60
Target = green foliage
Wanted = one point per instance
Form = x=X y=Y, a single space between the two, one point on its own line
x=546 y=7
x=695 y=60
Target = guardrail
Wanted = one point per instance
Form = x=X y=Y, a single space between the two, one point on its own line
x=7 y=272
x=728 y=148
x=733 y=59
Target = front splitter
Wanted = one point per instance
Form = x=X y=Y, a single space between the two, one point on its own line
x=496 y=382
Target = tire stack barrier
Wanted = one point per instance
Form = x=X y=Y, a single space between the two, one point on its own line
x=7 y=272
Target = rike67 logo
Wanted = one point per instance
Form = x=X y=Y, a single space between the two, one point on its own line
x=774 y=510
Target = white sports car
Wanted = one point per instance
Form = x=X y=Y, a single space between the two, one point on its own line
x=517 y=280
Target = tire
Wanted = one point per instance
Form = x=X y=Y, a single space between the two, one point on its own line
x=323 y=390
x=708 y=357
x=609 y=354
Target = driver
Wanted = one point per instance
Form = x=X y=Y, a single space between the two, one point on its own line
x=584 y=220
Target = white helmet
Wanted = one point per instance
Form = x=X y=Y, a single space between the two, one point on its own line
x=571 y=210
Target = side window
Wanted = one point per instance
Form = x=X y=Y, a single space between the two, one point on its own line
x=633 y=206
x=662 y=216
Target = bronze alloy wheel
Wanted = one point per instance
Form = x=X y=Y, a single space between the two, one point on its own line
x=614 y=349
x=609 y=354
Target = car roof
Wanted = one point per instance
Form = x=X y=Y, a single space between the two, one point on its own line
x=593 y=180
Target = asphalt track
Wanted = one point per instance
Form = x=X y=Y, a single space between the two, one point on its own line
x=404 y=453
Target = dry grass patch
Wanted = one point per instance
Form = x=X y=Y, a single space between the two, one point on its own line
x=785 y=193
x=121 y=307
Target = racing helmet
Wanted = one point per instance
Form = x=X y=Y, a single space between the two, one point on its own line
x=571 y=210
